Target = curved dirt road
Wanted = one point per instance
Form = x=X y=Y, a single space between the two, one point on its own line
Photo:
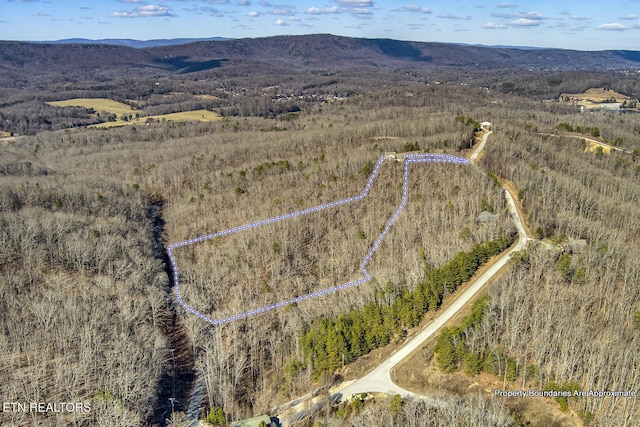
x=379 y=379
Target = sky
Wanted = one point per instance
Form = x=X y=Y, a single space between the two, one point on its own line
x=582 y=25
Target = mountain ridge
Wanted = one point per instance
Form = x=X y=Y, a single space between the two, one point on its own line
x=148 y=43
x=135 y=43
x=24 y=60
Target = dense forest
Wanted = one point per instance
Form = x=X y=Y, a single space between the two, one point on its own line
x=88 y=313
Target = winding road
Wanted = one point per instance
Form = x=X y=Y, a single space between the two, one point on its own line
x=379 y=379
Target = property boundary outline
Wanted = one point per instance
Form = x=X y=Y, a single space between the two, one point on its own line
x=408 y=159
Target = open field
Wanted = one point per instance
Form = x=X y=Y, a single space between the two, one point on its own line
x=596 y=95
x=596 y=98
x=118 y=108
x=186 y=116
x=98 y=104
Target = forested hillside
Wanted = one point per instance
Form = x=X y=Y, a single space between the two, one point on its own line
x=303 y=52
x=87 y=309
x=564 y=317
x=574 y=316
x=83 y=298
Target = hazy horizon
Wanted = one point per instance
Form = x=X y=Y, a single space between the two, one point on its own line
x=588 y=25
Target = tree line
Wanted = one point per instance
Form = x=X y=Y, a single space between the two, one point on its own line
x=332 y=342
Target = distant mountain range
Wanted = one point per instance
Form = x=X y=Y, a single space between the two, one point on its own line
x=138 y=44
x=141 y=44
x=112 y=57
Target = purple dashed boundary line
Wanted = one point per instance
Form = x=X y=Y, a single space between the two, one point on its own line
x=409 y=158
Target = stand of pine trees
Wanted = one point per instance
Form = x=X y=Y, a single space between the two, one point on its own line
x=452 y=350
x=328 y=343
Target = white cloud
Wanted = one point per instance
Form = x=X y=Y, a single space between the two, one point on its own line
x=253 y=14
x=524 y=22
x=452 y=16
x=195 y=1
x=211 y=11
x=280 y=23
x=507 y=5
x=154 y=10
x=613 y=26
x=283 y=10
x=131 y=1
x=359 y=10
x=534 y=16
x=537 y=16
x=264 y=3
x=415 y=8
x=494 y=26
x=293 y=18
x=356 y=7
x=355 y=3
x=148 y=10
x=629 y=18
x=319 y=11
x=244 y=3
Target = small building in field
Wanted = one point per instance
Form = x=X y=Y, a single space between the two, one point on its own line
x=260 y=421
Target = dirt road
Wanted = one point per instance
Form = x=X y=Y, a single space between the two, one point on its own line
x=379 y=379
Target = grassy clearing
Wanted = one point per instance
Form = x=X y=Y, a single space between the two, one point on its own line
x=187 y=116
x=5 y=137
x=206 y=97
x=596 y=98
x=596 y=95
x=592 y=146
x=118 y=108
x=98 y=104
